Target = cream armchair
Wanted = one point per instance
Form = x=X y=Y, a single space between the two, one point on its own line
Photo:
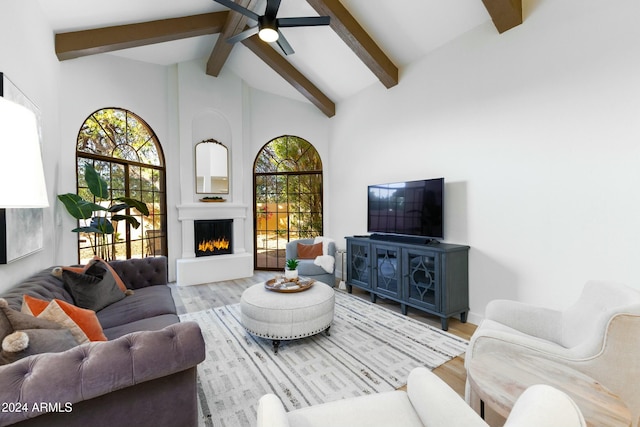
x=428 y=402
x=599 y=335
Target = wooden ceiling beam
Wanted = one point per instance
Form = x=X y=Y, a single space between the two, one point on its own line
x=352 y=33
x=288 y=72
x=236 y=23
x=505 y=14
x=76 y=44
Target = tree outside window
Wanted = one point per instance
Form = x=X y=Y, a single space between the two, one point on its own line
x=125 y=151
x=287 y=198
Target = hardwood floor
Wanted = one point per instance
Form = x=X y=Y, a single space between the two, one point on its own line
x=201 y=297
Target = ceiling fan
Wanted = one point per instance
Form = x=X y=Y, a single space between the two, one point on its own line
x=268 y=28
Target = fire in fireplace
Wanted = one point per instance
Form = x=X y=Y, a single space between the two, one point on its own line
x=213 y=237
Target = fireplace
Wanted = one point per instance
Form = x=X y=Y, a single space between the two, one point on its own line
x=236 y=264
x=213 y=237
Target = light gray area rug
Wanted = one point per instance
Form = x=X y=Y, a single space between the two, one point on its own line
x=371 y=349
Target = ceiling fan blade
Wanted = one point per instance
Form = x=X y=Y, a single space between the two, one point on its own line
x=272 y=8
x=284 y=44
x=310 y=21
x=243 y=35
x=237 y=8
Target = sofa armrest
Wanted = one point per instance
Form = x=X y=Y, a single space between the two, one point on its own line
x=542 y=405
x=437 y=404
x=271 y=412
x=139 y=273
x=98 y=368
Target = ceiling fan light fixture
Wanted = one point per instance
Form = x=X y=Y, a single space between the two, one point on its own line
x=268 y=35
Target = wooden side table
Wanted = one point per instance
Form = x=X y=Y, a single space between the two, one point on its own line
x=498 y=380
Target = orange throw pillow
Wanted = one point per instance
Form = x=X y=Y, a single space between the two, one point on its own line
x=309 y=251
x=85 y=319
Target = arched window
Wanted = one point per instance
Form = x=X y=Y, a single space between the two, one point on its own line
x=125 y=151
x=287 y=198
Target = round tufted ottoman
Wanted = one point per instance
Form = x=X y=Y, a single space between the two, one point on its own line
x=287 y=316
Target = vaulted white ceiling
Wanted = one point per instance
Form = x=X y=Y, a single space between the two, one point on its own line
x=406 y=30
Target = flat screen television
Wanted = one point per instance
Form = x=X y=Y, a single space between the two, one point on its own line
x=411 y=208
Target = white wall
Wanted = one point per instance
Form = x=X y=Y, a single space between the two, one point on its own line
x=201 y=94
x=271 y=117
x=536 y=132
x=27 y=58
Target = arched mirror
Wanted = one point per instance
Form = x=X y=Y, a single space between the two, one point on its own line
x=212 y=167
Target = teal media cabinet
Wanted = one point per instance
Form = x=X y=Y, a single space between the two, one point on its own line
x=433 y=278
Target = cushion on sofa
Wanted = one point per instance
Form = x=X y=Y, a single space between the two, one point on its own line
x=145 y=303
x=54 y=313
x=83 y=269
x=94 y=289
x=40 y=341
x=155 y=323
x=12 y=320
x=23 y=335
x=83 y=318
x=96 y=259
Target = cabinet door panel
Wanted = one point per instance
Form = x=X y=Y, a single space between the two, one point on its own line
x=358 y=268
x=386 y=272
x=421 y=278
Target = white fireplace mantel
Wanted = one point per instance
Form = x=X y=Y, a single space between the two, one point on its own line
x=192 y=270
x=211 y=210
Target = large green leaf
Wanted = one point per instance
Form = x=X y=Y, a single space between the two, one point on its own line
x=118 y=207
x=96 y=184
x=99 y=224
x=78 y=207
x=132 y=221
x=133 y=203
x=102 y=224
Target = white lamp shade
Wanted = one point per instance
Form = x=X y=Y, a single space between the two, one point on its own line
x=22 y=182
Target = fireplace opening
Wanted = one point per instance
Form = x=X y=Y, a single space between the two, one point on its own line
x=213 y=237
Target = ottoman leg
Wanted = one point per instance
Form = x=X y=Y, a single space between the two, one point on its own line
x=327 y=331
x=276 y=344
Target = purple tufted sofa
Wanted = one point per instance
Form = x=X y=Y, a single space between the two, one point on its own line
x=145 y=375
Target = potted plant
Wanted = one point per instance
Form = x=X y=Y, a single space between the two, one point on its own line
x=291 y=272
x=103 y=213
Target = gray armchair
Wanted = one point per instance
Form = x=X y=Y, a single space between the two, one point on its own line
x=307 y=267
